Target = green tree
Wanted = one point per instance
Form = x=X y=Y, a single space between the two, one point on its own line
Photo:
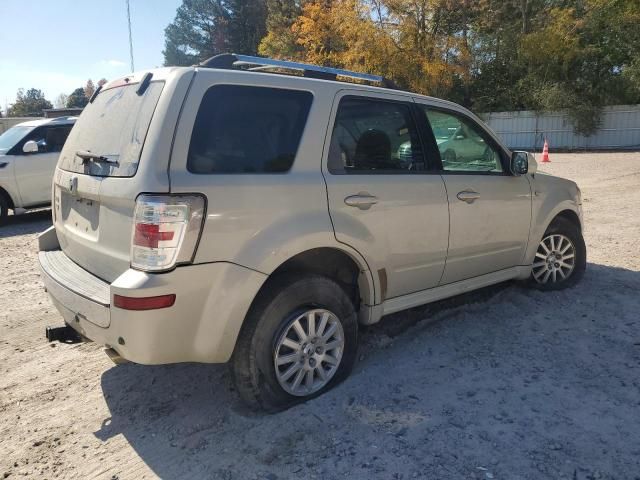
x=29 y=104
x=204 y=28
x=247 y=25
x=77 y=99
x=280 y=40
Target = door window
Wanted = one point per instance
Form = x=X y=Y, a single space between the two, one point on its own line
x=49 y=139
x=462 y=144
x=241 y=129
x=55 y=137
x=374 y=136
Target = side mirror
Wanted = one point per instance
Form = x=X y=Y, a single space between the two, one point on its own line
x=30 y=147
x=523 y=163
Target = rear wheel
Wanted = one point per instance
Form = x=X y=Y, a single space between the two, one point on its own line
x=561 y=258
x=299 y=340
x=4 y=208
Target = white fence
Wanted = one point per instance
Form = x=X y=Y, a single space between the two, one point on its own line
x=7 y=123
x=619 y=130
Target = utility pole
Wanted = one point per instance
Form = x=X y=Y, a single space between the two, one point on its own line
x=130 y=37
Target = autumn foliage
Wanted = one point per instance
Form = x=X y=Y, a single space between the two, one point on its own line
x=485 y=54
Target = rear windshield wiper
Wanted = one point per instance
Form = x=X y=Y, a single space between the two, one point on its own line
x=88 y=156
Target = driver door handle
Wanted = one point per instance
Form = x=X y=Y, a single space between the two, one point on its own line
x=362 y=200
x=468 y=196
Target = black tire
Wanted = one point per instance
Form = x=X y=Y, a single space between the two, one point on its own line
x=252 y=364
x=4 y=208
x=562 y=226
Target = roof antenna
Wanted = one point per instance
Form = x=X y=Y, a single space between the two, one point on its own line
x=130 y=38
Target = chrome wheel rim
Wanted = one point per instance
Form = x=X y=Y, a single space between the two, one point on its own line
x=555 y=259
x=308 y=353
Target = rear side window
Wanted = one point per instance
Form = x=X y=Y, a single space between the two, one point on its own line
x=241 y=129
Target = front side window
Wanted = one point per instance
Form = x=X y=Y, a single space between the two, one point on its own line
x=38 y=135
x=462 y=146
x=242 y=129
x=374 y=136
x=55 y=137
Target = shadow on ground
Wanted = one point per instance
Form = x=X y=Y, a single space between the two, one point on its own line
x=510 y=381
x=26 y=223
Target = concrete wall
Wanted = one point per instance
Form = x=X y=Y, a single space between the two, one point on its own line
x=619 y=130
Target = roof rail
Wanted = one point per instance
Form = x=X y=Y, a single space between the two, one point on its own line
x=253 y=64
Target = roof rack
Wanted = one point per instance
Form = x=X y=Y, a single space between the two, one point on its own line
x=257 y=64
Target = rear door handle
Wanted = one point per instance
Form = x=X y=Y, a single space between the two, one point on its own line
x=362 y=200
x=468 y=196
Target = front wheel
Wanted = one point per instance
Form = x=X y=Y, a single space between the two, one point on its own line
x=561 y=257
x=299 y=340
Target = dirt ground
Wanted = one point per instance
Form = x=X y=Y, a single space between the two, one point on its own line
x=506 y=383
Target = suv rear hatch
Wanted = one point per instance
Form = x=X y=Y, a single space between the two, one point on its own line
x=118 y=148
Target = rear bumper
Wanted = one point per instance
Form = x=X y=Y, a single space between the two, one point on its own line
x=202 y=325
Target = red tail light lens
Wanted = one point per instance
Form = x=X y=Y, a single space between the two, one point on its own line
x=166 y=230
x=149 y=235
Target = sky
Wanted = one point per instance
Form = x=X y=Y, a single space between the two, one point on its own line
x=56 y=45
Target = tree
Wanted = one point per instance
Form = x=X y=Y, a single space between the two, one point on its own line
x=204 y=28
x=89 y=89
x=61 y=100
x=247 y=25
x=29 y=104
x=574 y=55
x=77 y=99
x=280 y=40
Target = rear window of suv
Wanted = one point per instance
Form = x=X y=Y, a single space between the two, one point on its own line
x=114 y=126
x=243 y=129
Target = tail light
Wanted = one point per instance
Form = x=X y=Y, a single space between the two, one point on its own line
x=165 y=231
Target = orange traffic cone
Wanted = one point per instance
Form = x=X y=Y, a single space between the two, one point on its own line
x=545 y=152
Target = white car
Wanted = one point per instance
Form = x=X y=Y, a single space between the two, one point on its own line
x=28 y=156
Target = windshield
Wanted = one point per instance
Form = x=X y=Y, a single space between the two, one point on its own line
x=12 y=136
x=114 y=127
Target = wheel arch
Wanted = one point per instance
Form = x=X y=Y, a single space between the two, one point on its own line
x=570 y=216
x=7 y=196
x=566 y=210
x=342 y=266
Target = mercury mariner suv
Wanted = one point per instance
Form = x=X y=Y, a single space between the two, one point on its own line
x=256 y=211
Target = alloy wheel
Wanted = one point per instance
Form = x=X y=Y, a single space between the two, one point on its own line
x=308 y=353
x=555 y=259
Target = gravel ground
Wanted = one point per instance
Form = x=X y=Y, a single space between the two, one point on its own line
x=504 y=383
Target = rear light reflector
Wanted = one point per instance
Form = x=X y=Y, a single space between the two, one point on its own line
x=166 y=230
x=144 y=303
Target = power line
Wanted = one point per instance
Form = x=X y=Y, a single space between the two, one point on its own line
x=130 y=37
